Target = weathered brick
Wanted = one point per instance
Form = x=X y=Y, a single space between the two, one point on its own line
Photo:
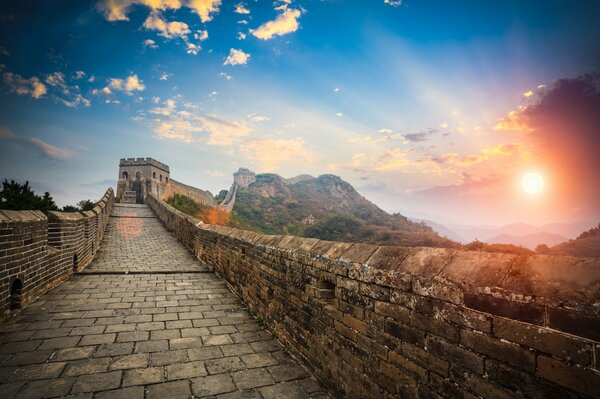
x=510 y=353
x=574 y=322
x=545 y=340
x=578 y=379
x=455 y=354
x=524 y=311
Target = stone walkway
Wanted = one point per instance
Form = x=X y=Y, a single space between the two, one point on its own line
x=163 y=334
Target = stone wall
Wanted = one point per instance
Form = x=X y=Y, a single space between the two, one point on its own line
x=200 y=196
x=376 y=322
x=37 y=252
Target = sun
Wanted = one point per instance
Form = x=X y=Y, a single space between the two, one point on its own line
x=533 y=182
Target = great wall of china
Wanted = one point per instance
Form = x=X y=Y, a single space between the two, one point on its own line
x=368 y=321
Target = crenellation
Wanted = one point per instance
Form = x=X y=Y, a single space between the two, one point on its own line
x=40 y=250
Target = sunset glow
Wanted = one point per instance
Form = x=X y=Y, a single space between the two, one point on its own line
x=533 y=182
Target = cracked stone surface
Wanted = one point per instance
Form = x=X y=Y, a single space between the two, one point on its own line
x=170 y=330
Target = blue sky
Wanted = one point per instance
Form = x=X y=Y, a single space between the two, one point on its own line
x=402 y=99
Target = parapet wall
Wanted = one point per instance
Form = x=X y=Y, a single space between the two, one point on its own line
x=378 y=322
x=200 y=196
x=37 y=252
x=143 y=162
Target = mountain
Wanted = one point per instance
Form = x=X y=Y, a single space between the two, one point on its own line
x=324 y=207
x=530 y=241
x=586 y=244
x=440 y=229
x=487 y=232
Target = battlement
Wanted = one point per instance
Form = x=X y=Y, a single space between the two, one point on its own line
x=143 y=162
x=244 y=177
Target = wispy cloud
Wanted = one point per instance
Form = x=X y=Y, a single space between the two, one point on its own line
x=169 y=30
x=69 y=95
x=205 y=8
x=150 y=44
x=236 y=57
x=25 y=87
x=51 y=151
x=7 y=134
x=393 y=3
x=241 y=8
x=128 y=85
x=269 y=154
x=286 y=22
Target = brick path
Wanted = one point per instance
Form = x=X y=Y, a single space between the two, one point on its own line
x=162 y=335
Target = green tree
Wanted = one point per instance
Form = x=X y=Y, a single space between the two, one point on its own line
x=21 y=197
x=86 y=205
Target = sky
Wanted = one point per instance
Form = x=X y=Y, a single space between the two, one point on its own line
x=434 y=109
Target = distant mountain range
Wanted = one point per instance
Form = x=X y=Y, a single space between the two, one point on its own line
x=521 y=234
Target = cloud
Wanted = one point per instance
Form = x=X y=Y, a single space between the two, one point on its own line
x=269 y=154
x=257 y=118
x=205 y=8
x=7 y=134
x=393 y=3
x=236 y=57
x=192 y=48
x=166 y=29
x=190 y=126
x=51 y=151
x=240 y=8
x=241 y=36
x=164 y=76
x=25 y=87
x=201 y=35
x=225 y=75
x=286 y=22
x=127 y=85
x=79 y=75
x=419 y=137
x=117 y=10
x=69 y=94
x=528 y=93
x=150 y=43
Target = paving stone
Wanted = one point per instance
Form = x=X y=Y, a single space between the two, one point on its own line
x=59 y=343
x=171 y=390
x=97 y=382
x=46 y=388
x=210 y=352
x=9 y=390
x=88 y=366
x=186 y=370
x=122 y=348
x=185 y=343
x=224 y=365
x=262 y=359
x=151 y=346
x=98 y=339
x=217 y=340
x=129 y=361
x=39 y=371
x=288 y=372
x=123 y=393
x=247 y=394
x=194 y=332
x=286 y=390
x=165 y=334
x=252 y=378
x=170 y=357
x=92 y=330
x=150 y=375
x=236 y=349
x=133 y=336
x=212 y=385
x=205 y=322
x=23 y=346
x=23 y=358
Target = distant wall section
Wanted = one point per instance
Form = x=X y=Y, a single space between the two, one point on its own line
x=377 y=322
x=37 y=251
x=200 y=196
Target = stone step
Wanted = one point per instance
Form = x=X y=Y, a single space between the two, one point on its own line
x=129 y=197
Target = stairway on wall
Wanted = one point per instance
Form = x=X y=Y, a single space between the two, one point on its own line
x=129 y=197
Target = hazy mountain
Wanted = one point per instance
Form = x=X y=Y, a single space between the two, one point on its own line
x=487 y=232
x=530 y=241
x=325 y=207
x=587 y=244
x=440 y=229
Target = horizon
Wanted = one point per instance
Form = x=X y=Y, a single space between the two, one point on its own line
x=438 y=115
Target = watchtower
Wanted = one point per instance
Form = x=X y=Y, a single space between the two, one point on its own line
x=244 y=177
x=140 y=176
